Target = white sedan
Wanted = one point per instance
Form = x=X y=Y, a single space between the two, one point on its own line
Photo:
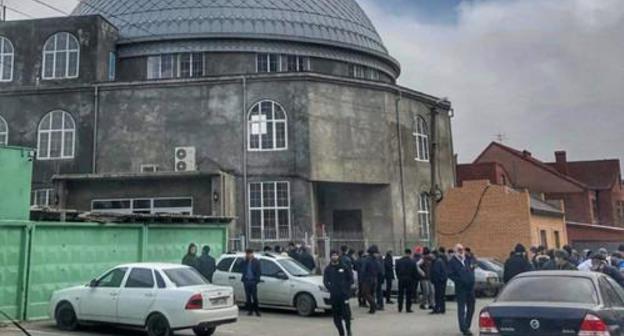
x=160 y=298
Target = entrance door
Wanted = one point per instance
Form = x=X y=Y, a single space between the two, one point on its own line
x=348 y=224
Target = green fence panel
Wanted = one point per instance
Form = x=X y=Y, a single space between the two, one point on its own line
x=68 y=255
x=169 y=243
x=13 y=240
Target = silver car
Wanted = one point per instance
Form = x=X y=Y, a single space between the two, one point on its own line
x=285 y=283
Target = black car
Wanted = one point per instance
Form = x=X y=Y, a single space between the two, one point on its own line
x=556 y=303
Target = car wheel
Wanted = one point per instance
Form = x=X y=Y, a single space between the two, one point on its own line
x=157 y=325
x=305 y=304
x=65 y=317
x=204 y=331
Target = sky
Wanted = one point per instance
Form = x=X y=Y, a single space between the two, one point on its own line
x=547 y=75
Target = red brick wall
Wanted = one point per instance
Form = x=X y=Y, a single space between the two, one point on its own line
x=489 y=171
x=577 y=206
x=592 y=234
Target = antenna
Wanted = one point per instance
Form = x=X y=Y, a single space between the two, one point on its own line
x=501 y=137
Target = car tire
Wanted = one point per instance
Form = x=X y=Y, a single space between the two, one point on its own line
x=65 y=317
x=157 y=325
x=204 y=331
x=305 y=304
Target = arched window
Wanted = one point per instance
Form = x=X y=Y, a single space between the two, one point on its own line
x=267 y=127
x=421 y=134
x=4 y=132
x=424 y=216
x=6 y=60
x=56 y=136
x=61 y=56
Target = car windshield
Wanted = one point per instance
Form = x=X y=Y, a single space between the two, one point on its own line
x=185 y=277
x=488 y=265
x=294 y=268
x=564 y=289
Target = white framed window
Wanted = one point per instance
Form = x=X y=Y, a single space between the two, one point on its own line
x=149 y=168
x=185 y=65
x=424 y=216
x=112 y=65
x=373 y=74
x=421 y=136
x=7 y=57
x=269 y=211
x=297 y=63
x=358 y=71
x=150 y=206
x=268 y=63
x=61 y=56
x=56 y=138
x=268 y=127
x=42 y=198
x=4 y=132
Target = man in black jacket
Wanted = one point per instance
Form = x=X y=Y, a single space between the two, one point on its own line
x=461 y=271
x=439 y=276
x=407 y=274
x=358 y=267
x=517 y=263
x=369 y=273
x=206 y=264
x=389 y=273
x=338 y=279
x=251 y=277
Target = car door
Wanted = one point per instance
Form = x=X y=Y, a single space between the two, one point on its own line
x=222 y=276
x=273 y=290
x=617 y=300
x=136 y=297
x=234 y=278
x=99 y=302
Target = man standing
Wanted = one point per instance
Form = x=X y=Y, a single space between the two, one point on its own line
x=251 y=278
x=518 y=263
x=358 y=267
x=407 y=275
x=461 y=271
x=439 y=276
x=380 y=281
x=389 y=272
x=338 y=279
x=207 y=264
x=599 y=264
x=369 y=274
x=425 y=282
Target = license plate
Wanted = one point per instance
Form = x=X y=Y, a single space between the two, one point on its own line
x=218 y=302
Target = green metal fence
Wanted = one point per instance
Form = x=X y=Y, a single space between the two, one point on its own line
x=39 y=258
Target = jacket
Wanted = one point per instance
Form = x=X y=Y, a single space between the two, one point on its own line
x=382 y=269
x=190 y=260
x=439 y=274
x=255 y=270
x=516 y=264
x=406 y=269
x=307 y=260
x=614 y=274
x=462 y=273
x=346 y=261
x=369 y=270
x=389 y=267
x=426 y=266
x=206 y=265
x=338 y=280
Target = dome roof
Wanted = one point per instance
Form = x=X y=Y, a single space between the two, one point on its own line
x=340 y=23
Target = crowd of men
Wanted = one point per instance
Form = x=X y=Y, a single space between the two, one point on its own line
x=540 y=259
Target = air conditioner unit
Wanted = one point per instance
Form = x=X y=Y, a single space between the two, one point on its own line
x=185 y=159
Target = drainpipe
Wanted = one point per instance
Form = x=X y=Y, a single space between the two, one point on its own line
x=433 y=157
x=96 y=110
x=244 y=163
x=401 y=168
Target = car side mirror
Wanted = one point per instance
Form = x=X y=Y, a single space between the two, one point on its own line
x=93 y=283
x=281 y=276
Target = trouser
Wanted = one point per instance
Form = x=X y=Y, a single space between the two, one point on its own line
x=369 y=293
x=427 y=293
x=439 y=289
x=342 y=314
x=251 y=295
x=465 y=308
x=388 y=290
x=379 y=294
x=360 y=294
x=406 y=293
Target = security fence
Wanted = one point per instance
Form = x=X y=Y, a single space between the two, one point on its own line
x=37 y=258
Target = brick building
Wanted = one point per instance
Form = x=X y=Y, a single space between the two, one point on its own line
x=493 y=218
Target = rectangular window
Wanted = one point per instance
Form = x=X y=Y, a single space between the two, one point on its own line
x=269 y=211
x=169 y=205
x=153 y=67
x=112 y=65
x=557 y=240
x=185 y=65
x=373 y=74
x=268 y=63
x=42 y=198
x=358 y=71
x=543 y=238
x=298 y=63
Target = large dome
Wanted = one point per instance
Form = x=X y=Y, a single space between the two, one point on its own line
x=340 y=23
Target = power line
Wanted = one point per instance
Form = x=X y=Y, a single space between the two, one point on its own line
x=19 y=12
x=51 y=7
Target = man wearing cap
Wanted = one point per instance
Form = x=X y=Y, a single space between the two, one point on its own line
x=518 y=263
x=338 y=279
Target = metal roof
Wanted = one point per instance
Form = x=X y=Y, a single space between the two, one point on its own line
x=340 y=23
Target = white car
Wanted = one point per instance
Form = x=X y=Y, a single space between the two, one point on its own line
x=285 y=283
x=160 y=298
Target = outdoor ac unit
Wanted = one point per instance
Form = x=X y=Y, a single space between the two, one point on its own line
x=185 y=159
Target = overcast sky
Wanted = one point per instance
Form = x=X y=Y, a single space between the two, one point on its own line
x=548 y=74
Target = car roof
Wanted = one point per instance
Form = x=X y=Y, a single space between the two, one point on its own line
x=578 y=274
x=265 y=255
x=153 y=265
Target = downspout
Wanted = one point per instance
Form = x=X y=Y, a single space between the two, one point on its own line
x=433 y=157
x=401 y=168
x=96 y=112
x=244 y=163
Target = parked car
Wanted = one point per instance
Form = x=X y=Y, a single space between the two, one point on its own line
x=161 y=298
x=487 y=283
x=492 y=265
x=285 y=283
x=450 y=285
x=556 y=303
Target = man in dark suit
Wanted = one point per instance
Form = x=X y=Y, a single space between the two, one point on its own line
x=338 y=279
x=461 y=271
x=439 y=276
x=251 y=278
x=407 y=274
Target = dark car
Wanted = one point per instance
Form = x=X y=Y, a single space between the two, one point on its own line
x=556 y=303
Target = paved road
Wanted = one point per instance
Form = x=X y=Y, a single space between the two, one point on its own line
x=274 y=323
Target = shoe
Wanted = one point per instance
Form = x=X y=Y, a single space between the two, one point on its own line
x=371 y=312
x=431 y=307
x=389 y=302
x=434 y=313
x=423 y=307
x=249 y=313
x=467 y=333
x=258 y=313
x=400 y=311
x=380 y=309
x=409 y=311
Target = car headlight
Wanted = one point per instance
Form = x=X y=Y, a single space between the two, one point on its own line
x=323 y=289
